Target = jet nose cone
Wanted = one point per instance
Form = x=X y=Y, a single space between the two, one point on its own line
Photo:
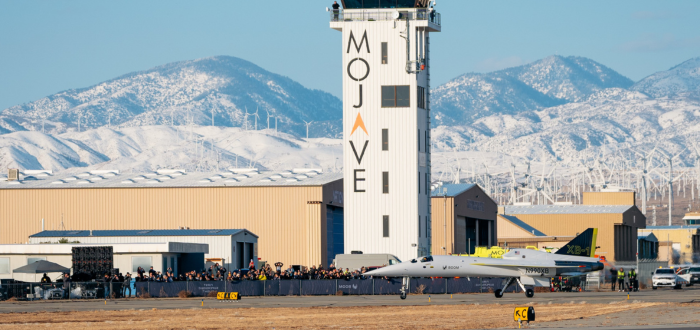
x=598 y=266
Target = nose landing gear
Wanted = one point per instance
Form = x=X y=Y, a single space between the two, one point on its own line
x=404 y=287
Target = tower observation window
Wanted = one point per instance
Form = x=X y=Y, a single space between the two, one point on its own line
x=385 y=226
x=421 y=97
x=358 y=4
x=385 y=139
x=385 y=51
x=385 y=182
x=396 y=96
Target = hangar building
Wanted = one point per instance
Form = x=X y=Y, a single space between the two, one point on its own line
x=614 y=214
x=464 y=217
x=298 y=214
x=232 y=248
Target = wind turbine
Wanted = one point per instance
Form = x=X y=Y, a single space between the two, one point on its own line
x=256 y=118
x=268 y=118
x=307 y=127
x=696 y=149
x=646 y=161
x=246 y=118
x=670 y=179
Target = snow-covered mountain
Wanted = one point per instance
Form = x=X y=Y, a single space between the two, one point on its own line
x=188 y=92
x=558 y=109
x=552 y=81
x=683 y=78
x=147 y=148
x=619 y=119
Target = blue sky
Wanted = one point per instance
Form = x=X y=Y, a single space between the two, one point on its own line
x=50 y=46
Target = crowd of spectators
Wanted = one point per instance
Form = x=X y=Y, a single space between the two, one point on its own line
x=217 y=272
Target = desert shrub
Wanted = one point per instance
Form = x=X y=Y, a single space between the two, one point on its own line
x=184 y=294
x=339 y=293
x=420 y=289
x=212 y=294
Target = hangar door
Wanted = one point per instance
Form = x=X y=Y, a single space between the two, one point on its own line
x=335 y=225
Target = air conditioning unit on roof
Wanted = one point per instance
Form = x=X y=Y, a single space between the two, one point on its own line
x=13 y=174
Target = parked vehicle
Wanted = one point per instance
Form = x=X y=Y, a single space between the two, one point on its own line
x=370 y=260
x=690 y=274
x=666 y=277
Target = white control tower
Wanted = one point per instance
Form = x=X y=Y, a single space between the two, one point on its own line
x=386 y=124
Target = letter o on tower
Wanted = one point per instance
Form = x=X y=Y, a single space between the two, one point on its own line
x=366 y=73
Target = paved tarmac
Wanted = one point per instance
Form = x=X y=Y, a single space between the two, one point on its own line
x=686 y=295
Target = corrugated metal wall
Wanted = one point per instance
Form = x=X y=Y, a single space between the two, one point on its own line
x=609 y=198
x=507 y=229
x=570 y=224
x=442 y=224
x=278 y=215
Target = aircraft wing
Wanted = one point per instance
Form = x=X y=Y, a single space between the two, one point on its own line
x=518 y=266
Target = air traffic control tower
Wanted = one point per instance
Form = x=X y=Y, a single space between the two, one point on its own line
x=386 y=124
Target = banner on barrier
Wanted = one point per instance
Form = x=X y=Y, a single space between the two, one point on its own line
x=359 y=287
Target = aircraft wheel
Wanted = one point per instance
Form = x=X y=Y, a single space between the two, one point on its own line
x=678 y=287
x=499 y=293
x=403 y=295
x=529 y=293
x=653 y=288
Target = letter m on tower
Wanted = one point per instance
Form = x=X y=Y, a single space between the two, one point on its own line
x=362 y=41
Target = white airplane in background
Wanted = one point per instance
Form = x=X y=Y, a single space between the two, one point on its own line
x=530 y=268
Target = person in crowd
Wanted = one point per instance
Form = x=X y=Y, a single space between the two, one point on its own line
x=621 y=279
x=152 y=271
x=336 y=10
x=105 y=284
x=66 y=285
x=613 y=277
x=632 y=278
x=45 y=279
x=126 y=285
x=251 y=265
x=140 y=271
x=278 y=267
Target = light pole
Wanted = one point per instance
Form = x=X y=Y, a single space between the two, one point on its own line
x=444 y=215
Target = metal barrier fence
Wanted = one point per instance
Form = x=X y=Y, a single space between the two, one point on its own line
x=78 y=290
x=322 y=287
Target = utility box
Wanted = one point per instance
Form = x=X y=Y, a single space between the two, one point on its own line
x=13 y=174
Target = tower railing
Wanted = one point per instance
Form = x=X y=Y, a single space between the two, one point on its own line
x=373 y=15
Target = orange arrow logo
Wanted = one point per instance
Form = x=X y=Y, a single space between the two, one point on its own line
x=359 y=123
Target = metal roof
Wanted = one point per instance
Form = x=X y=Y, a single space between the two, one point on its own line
x=452 y=189
x=670 y=227
x=648 y=237
x=174 y=179
x=143 y=232
x=566 y=209
x=522 y=225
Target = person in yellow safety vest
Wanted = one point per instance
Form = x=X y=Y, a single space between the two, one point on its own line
x=620 y=279
x=632 y=278
x=262 y=277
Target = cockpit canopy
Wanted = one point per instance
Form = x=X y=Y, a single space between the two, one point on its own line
x=423 y=259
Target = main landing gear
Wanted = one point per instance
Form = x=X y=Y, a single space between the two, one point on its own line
x=404 y=287
x=529 y=292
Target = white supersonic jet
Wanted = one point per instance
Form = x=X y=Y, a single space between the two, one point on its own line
x=530 y=268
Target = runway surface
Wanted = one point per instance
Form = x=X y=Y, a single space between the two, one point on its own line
x=678 y=308
x=686 y=295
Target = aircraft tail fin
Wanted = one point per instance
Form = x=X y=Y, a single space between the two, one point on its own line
x=582 y=245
